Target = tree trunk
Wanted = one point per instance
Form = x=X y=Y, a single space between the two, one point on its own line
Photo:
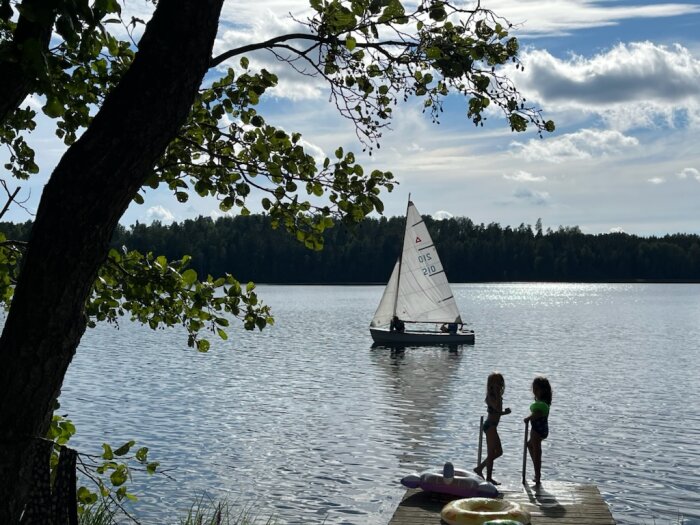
x=86 y=195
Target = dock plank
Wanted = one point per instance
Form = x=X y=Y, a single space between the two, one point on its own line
x=551 y=503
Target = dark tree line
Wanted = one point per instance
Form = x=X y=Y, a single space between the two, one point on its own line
x=251 y=250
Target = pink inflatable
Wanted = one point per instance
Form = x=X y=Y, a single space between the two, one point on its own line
x=451 y=481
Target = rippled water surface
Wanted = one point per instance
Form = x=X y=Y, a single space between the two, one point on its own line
x=308 y=424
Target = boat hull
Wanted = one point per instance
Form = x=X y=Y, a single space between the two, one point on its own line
x=385 y=337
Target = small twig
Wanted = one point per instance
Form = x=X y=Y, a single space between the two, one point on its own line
x=15 y=245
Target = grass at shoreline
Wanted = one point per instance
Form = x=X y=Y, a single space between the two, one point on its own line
x=204 y=511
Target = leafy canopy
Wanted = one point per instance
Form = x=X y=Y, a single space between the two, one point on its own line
x=372 y=54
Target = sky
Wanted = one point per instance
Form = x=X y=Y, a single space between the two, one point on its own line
x=621 y=80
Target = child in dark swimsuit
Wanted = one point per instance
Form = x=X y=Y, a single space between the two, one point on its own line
x=538 y=418
x=495 y=387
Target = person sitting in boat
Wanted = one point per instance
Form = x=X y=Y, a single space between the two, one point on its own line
x=397 y=324
x=450 y=328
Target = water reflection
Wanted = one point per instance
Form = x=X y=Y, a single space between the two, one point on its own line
x=313 y=426
x=418 y=381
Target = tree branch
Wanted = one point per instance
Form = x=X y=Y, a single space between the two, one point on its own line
x=215 y=61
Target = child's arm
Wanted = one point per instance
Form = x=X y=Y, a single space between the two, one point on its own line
x=496 y=406
x=533 y=415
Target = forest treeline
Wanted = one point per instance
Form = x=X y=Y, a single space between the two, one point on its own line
x=249 y=249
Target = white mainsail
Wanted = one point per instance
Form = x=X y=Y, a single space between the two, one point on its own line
x=418 y=289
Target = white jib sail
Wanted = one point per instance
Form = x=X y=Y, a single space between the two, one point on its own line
x=385 y=310
x=423 y=293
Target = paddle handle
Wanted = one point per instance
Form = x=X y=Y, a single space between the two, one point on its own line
x=481 y=440
x=527 y=426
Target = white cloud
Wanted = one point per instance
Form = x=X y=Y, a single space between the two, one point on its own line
x=657 y=180
x=159 y=213
x=524 y=176
x=552 y=17
x=538 y=198
x=560 y=17
x=35 y=102
x=689 y=172
x=584 y=144
x=441 y=215
x=617 y=229
x=312 y=149
x=545 y=16
x=640 y=84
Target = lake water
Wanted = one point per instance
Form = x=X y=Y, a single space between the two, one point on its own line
x=306 y=423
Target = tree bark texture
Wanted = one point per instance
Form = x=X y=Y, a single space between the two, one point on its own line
x=81 y=205
x=16 y=79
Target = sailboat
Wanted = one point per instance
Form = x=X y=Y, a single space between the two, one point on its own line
x=418 y=292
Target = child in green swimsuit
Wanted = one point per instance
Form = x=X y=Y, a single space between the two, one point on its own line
x=495 y=387
x=538 y=418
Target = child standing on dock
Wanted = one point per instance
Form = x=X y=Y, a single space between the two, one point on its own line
x=495 y=388
x=539 y=414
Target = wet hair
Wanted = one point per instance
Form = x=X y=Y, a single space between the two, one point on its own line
x=495 y=385
x=541 y=383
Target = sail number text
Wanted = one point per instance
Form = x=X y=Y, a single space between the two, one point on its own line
x=425 y=261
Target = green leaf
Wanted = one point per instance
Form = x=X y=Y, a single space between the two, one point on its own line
x=189 y=276
x=124 y=449
x=54 y=108
x=517 y=123
x=438 y=14
x=119 y=476
x=108 y=6
x=86 y=497
x=142 y=454
x=350 y=43
x=107 y=454
x=393 y=11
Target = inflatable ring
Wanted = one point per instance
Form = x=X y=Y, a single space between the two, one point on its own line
x=477 y=511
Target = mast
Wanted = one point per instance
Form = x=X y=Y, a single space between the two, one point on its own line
x=398 y=278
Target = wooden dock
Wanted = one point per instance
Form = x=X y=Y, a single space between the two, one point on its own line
x=551 y=503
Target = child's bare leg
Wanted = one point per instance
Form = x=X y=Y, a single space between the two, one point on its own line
x=535 y=448
x=479 y=470
x=480 y=467
x=495 y=451
x=537 y=461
